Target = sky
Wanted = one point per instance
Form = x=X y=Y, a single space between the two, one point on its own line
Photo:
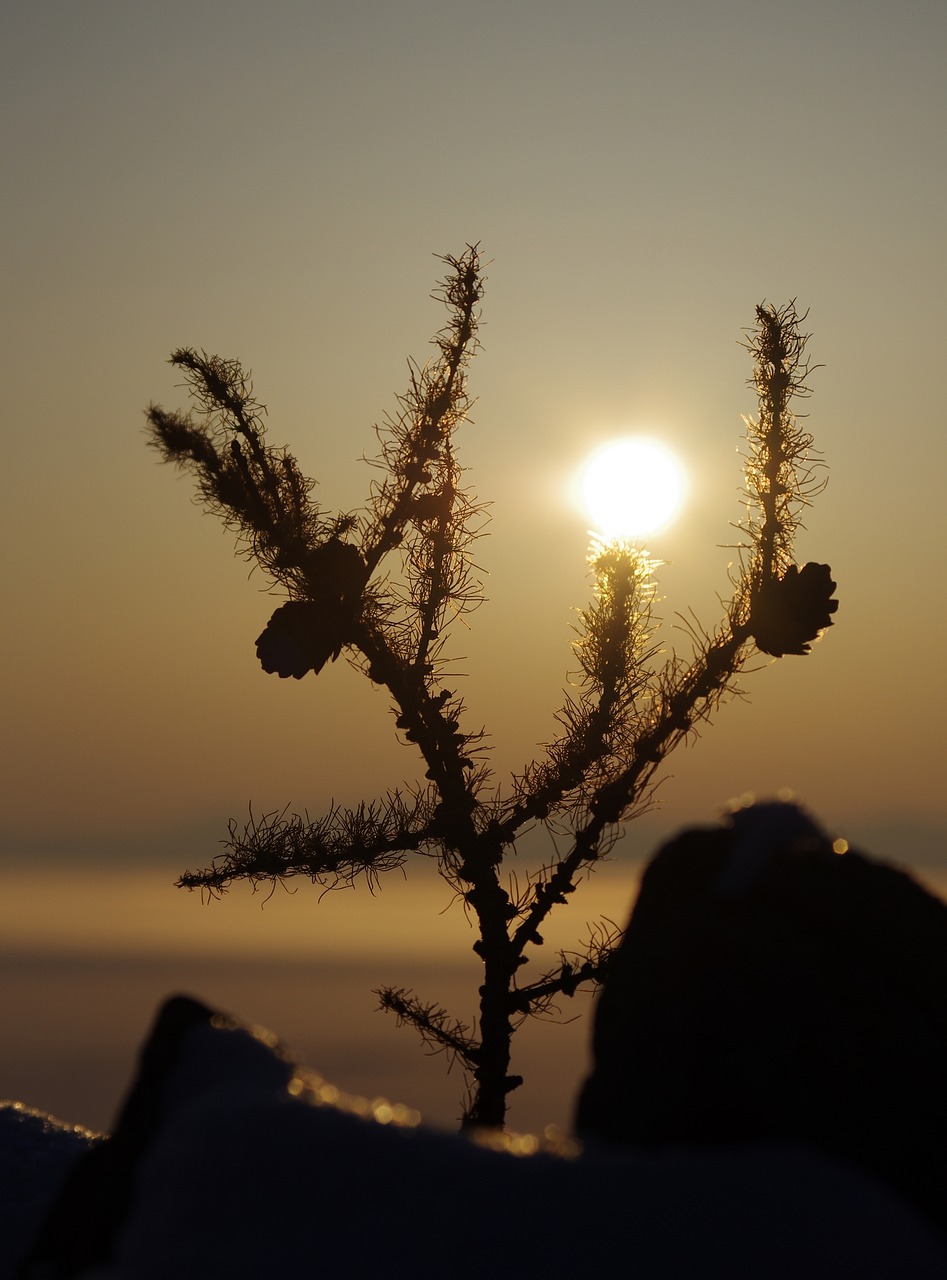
x=272 y=183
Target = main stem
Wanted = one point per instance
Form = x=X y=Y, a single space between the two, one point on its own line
x=492 y=904
x=479 y=854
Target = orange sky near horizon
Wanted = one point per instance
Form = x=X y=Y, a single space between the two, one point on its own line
x=271 y=183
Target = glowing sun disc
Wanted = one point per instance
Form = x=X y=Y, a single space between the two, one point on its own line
x=632 y=487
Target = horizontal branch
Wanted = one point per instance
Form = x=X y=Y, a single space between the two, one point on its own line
x=334 y=851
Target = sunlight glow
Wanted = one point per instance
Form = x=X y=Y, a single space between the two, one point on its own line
x=632 y=487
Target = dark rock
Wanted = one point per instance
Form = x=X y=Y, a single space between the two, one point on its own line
x=770 y=990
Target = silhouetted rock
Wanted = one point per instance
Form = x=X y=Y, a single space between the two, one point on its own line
x=770 y=990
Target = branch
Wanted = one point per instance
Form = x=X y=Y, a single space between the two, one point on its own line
x=432 y=722
x=332 y=852
x=615 y=647
x=576 y=969
x=700 y=689
x=775 y=605
x=416 y=446
x=778 y=473
x=437 y=1030
x=257 y=490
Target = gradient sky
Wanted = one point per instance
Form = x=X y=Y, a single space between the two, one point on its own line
x=270 y=182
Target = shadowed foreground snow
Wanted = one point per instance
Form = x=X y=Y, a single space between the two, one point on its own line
x=229 y=1160
x=36 y=1153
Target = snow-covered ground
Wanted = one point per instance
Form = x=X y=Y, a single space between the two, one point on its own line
x=36 y=1153
x=229 y=1160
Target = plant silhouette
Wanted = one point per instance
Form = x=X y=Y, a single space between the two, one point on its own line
x=384 y=586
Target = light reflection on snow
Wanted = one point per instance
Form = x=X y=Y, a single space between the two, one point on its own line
x=308 y=1086
x=552 y=1141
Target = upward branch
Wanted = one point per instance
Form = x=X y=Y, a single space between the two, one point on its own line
x=778 y=472
x=614 y=648
x=785 y=607
x=418 y=491
x=257 y=490
x=776 y=607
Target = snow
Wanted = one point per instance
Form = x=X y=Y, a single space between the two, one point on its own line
x=36 y=1153
x=229 y=1160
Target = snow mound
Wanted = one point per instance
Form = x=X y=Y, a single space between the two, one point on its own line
x=36 y=1154
x=229 y=1160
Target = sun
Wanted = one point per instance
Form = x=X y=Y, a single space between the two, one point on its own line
x=632 y=487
